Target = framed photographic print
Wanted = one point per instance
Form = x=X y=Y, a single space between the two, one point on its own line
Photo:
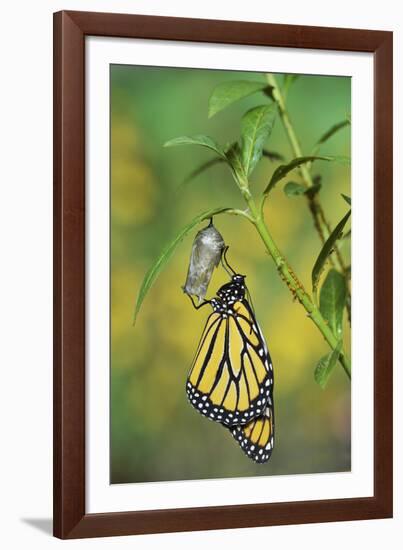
x=223 y=274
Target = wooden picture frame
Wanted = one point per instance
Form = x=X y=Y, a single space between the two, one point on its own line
x=70 y=517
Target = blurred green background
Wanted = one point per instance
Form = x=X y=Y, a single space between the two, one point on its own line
x=155 y=434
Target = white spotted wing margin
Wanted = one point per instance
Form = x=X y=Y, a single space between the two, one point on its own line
x=256 y=438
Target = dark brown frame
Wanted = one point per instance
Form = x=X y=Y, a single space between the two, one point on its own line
x=70 y=518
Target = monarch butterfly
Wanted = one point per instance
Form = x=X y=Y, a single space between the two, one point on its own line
x=231 y=378
x=256 y=438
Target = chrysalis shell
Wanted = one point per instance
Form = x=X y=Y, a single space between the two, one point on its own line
x=206 y=254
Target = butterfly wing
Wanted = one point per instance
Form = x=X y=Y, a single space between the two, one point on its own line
x=231 y=376
x=256 y=438
x=209 y=376
x=256 y=361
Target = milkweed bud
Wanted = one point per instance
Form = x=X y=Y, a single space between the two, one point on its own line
x=206 y=254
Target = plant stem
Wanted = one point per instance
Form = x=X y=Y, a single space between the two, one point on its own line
x=292 y=281
x=292 y=137
x=321 y=223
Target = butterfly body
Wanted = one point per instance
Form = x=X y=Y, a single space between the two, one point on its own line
x=231 y=378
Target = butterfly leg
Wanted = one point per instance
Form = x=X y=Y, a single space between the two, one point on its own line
x=197 y=306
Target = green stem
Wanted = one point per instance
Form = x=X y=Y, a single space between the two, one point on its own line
x=321 y=223
x=236 y=212
x=292 y=137
x=289 y=277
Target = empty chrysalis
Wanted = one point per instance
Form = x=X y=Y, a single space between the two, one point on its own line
x=206 y=254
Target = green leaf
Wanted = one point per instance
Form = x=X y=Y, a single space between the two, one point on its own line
x=333 y=130
x=326 y=365
x=326 y=251
x=256 y=127
x=272 y=155
x=346 y=198
x=234 y=158
x=204 y=141
x=333 y=296
x=202 y=168
x=292 y=189
x=166 y=255
x=341 y=159
x=228 y=92
x=284 y=169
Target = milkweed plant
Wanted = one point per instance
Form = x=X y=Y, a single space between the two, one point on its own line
x=327 y=299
